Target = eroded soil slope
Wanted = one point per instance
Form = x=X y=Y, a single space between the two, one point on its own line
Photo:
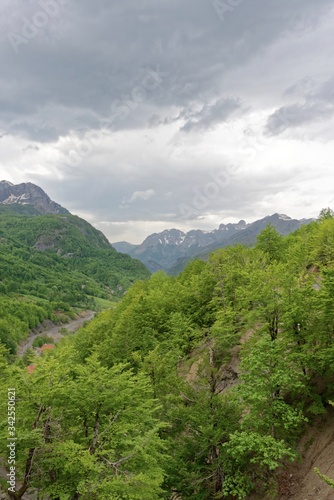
x=299 y=481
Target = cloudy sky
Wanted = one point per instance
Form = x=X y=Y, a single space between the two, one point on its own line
x=146 y=115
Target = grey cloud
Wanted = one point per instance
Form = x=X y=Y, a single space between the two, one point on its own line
x=318 y=105
x=92 y=54
x=142 y=195
x=326 y=91
x=199 y=116
x=41 y=132
x=31 y=147
x=87 y=70
x=164 y=193
x=295 y=115
x=211 y=115
x=302 y=88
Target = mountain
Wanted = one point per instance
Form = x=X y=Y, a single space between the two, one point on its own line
x=171 y=249
x=124 y=246
x=48 y=253
x=74 y=241
x=28 y=194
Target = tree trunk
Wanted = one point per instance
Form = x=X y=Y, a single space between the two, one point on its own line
x=17 y=495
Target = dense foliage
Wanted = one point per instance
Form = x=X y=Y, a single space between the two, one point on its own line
x=71 y=243
x=50 y=263
x=196 y=386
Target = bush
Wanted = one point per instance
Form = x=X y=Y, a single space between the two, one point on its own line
x=43 y=339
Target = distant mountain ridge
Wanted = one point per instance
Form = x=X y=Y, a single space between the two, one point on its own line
x=171 y=249
x=30 y=195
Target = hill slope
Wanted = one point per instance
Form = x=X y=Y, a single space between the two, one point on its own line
x=73 y=243
x=54 y=262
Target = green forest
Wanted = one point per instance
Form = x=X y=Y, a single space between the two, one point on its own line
x=54 y=263
x=197 y=386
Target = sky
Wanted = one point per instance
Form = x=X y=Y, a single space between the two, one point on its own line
x=145 y=115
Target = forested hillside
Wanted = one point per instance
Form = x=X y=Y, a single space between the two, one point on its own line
x=54 y=262
x=193 y=387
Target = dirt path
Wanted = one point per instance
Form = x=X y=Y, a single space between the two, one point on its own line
x=54 y=331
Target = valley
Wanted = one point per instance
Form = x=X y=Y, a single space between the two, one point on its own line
x=217 y=382
x=166 y=250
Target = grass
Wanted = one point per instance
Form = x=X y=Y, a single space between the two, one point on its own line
x=104 y=303
x=33 y=298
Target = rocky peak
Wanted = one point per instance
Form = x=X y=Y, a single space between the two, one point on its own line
x=166 y=237
x=28 y=193
x=234 y=226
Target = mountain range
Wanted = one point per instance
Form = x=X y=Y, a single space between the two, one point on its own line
x=171 y=249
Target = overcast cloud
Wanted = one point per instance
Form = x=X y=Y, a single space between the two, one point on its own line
x=141 y=116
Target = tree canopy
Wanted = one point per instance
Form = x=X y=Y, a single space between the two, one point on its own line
x=196 y=386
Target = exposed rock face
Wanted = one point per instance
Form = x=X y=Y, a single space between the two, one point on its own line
x=27 y=193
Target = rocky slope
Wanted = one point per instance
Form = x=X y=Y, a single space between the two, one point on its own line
x=31 y=195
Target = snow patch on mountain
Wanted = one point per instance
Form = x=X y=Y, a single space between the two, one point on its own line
x=28 y=193
x=284 y=217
